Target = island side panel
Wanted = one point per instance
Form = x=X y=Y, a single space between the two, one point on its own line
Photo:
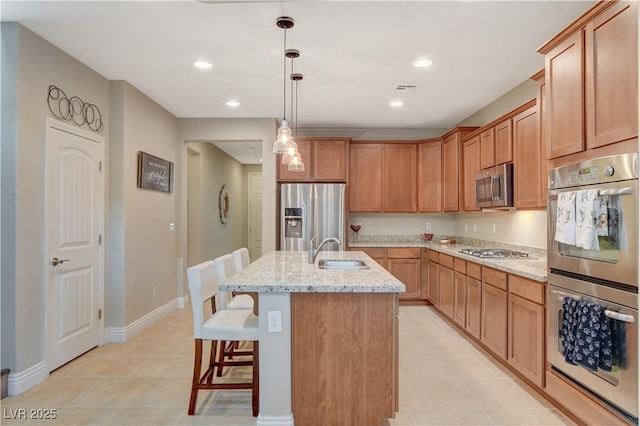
x=344 y=358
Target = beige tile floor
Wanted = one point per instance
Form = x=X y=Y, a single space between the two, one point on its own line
x=445 y=379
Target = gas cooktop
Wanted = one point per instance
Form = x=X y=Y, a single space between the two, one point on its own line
x=495 y=253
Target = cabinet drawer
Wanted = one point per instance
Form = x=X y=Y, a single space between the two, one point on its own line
x=372 y=252
x=495 y=278
x=433 y=256
x=403 y=253
x=474 y=270
x=527 y=289
x=460 y=265
x=446 y=260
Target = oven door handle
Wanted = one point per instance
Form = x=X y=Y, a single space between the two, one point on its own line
x=618 y=316
x=621 y=191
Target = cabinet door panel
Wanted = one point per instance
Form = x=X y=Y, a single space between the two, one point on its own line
x=451 y=171
x=399 y=178
x=487 y=149
x=494 y=320
x=407 y=271
x=445 y=295
x=526 y=338
x=565 y=97
x=430 y=177
x=432 y=283
x=542 y=134
x=330 y=160
x=527 y=167
x=460 y=299
x=612 y=75
x=474 y=306
x=471 y=161
x=365 y=178
x=504 y=145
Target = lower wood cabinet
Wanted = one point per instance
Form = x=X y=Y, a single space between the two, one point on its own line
x=433 y=280
x=407 y=271
x=526 y=347
x=493 y=322
x=445 y=291
x=474 y=306
x=460 y=299
x=334 y=367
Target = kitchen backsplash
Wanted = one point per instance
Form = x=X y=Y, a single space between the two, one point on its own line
x=526 y=228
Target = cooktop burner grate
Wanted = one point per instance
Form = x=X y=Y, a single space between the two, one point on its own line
x=494 y=253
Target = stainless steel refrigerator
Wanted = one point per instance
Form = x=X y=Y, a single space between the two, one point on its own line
x=310 y=209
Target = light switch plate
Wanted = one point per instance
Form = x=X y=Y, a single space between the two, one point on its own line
x=274 y=321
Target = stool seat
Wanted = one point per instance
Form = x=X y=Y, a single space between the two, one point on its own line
x=236 y=325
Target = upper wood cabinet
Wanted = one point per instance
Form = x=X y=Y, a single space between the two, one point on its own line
x=504 y=142
x=541 y=102
x=399 y=178
x=591 y=80
x=451 y=165
x=487 y=149
x=496 y=145
x=325 y=160
x=383 y=177
x=611 y=62
x=471 y=160
x=527 y=164
x=430 y=176
x=365 y=177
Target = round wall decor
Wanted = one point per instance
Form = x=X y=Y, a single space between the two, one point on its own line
x=223 y=204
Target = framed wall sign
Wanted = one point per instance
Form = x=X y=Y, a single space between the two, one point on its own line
x=154 y=173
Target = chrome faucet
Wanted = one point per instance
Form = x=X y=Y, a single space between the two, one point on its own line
x=313 y=251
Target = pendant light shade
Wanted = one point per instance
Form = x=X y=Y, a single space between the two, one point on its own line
x=296 y=164
x=284 y=141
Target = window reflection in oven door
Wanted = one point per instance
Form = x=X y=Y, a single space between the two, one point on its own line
x=618 y=387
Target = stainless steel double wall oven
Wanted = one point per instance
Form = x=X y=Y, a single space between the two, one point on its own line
x=605 y=274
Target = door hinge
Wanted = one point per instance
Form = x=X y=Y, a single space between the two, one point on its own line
x=99 y=314
x=99 y=239
x=99 y=166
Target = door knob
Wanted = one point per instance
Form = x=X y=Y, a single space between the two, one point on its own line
x=55 y=261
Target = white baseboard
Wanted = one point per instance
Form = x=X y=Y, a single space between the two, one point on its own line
x=183 y=301
x=121 y=334
x=24 y=380
x=275 y=420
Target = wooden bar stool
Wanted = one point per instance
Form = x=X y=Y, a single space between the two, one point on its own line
x=222 y=325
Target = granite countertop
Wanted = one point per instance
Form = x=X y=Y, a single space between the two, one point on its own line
x=534 y=267
x=290 y=272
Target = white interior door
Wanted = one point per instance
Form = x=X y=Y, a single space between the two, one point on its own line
x=73 y=228
x=255 y=215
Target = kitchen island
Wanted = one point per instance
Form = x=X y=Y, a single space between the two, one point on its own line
x=331 y=356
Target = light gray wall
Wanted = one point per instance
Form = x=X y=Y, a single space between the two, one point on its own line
x=140 y=228
x=36 y=64
x=511 y=100
x=216 y=169
x=520 y=227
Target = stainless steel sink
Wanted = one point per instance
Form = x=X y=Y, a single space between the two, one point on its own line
x=341 y=264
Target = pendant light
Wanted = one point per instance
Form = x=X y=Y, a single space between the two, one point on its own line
x=284 y=140
x=296 y=164
x=292 y=149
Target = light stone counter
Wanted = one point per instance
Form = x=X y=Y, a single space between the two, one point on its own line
x=291 y=272
x=533 y=267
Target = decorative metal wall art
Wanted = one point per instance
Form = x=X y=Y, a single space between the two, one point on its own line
x=74 y=109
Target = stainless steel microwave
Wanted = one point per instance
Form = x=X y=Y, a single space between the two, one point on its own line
x=494 y=186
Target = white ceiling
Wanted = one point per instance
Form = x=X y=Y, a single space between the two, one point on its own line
x=353 y=54
x=246 y=152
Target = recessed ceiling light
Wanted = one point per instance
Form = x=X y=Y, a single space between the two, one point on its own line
x=422 y=63
x=396 y=104
x=202 y=65
x=233 y=104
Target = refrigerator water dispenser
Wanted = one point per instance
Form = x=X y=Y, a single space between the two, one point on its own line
x=293 y=222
